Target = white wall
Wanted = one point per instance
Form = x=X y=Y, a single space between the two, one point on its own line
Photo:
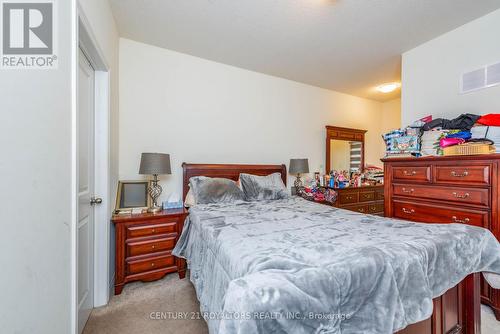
x=35 y=137
x=200 y=111
x=431 y=72
x=391 y=115
x=102 y=24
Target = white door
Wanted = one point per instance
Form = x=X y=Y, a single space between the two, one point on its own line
x=85 y=183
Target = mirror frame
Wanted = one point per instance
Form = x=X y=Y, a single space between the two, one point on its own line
x=348 y=134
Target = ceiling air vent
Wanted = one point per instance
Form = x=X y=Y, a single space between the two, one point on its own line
x=487 y=76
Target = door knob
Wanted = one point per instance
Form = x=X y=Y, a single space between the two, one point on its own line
x=95 y=200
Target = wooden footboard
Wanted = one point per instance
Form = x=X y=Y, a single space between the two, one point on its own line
x=457 y=311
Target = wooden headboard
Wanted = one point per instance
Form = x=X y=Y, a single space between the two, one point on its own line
x=227 y=171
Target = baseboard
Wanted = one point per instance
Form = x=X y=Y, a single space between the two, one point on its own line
x=111 y=287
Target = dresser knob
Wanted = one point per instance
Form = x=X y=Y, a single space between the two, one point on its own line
x=405 y=210
x=153 y=230
x=461 y=196
x=153 y=247
x=460 y=221
x=408 y=191
x=152 y=264
x=455 y=174
x=412 y=173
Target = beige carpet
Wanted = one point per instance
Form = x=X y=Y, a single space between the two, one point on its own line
x=130 y=312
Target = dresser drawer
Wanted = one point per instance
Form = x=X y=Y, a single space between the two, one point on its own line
x=439 y=214
x=366 y=196
x=473 y=196
x=160 y=226
x=361 y=208
x=375 y=208
x=348 y=197
x=149 y=246
x=379 y=195
x=150 y=263
x=415 y=173
x=473 y=174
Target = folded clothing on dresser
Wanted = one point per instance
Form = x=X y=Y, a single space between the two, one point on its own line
x=489 y=132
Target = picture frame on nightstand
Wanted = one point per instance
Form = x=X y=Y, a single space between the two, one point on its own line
x=132 y=196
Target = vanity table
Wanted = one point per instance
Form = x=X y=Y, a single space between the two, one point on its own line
x=345 y=150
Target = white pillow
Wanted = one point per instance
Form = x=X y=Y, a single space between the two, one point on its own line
x=190 y=200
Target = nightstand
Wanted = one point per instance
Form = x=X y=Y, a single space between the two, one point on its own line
x=144 y=244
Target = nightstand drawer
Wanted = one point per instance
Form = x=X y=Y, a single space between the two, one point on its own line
x=149 y=246
x=160 y=226
x=150 y=263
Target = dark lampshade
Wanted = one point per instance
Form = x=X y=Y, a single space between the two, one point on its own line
x=298 y=166
x=155 y=163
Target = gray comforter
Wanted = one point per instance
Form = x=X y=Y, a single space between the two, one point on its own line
x=293 y=266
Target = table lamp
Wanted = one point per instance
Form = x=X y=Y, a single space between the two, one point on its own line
x=154 y=164
x=298 y=166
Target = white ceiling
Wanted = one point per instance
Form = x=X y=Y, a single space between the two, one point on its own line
x=344 y=45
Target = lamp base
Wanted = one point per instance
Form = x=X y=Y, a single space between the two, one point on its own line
x=154 y=209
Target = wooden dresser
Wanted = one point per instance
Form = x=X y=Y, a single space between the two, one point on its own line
x=144 y=245
x=369 y=199
x=459 y=189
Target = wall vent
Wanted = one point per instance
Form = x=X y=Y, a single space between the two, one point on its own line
x=493 y=74
x=487 y=76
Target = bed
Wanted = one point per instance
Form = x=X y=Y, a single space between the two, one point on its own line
x=247 y=281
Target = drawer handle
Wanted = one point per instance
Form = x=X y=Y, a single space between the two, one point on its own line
x=455 y=174
x=407 y=173
x=460 y=221
x=153 y=230
x=405 y=210
x=153 y=247
x=464 y=196
x=408 y=191
x=349 y=197
x=361 y=210
x=152 y=264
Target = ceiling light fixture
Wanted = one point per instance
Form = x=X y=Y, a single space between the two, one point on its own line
x=388 y=87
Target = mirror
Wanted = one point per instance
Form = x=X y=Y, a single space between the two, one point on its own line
x=345 y=155
x=344 y=149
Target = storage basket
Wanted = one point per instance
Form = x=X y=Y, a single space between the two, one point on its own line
x=469 y=149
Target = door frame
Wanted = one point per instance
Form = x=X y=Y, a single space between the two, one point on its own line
x=85 y=40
